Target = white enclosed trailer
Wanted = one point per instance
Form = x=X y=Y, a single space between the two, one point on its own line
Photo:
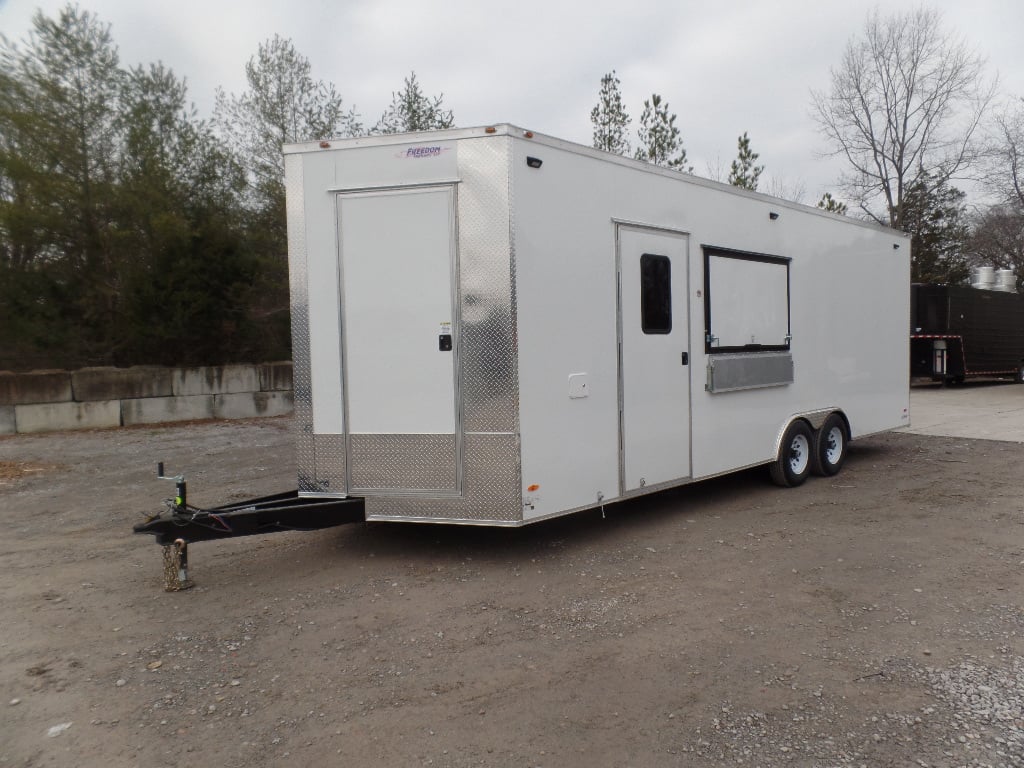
x=492 y=326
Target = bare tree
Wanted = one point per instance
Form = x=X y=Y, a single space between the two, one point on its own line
x=794 y=190
x=997 y=232
x=1006 y=156
x=905 y=103
x=997 y=238
x=716 y=170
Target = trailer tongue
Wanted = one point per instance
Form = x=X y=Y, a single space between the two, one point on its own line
x=181 y=523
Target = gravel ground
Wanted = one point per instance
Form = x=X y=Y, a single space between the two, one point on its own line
x=872 y=619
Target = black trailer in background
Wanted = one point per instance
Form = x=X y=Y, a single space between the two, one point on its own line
x=957 y=332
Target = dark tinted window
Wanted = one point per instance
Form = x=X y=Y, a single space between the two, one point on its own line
x=655 y=293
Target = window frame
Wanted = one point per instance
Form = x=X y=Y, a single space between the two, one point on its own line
x=729 y=253
x=663 y=299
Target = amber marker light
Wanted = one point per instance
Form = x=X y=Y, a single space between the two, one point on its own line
x=490 y=129
x=528 y=134
x=325 y=145
x=532 y=488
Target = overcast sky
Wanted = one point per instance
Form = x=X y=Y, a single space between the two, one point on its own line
x=724 y=68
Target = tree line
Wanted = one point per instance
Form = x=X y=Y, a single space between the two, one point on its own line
x=912 y=112
x=131 y=231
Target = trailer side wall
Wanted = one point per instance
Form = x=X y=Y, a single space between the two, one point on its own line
x=848 y=298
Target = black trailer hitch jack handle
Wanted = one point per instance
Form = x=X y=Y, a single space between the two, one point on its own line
x=180 y=487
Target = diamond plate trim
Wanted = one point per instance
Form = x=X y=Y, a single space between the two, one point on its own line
x=403 y=463
x=490 y=482
x=330 y=463
x=302 y=376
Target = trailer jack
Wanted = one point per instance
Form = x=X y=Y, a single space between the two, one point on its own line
x=181 y=523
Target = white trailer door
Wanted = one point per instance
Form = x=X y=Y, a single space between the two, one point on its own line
x=400 y=340
x=654 y=372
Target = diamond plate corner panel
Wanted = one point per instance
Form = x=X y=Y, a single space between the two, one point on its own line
x=298 y=275
x=488 y=343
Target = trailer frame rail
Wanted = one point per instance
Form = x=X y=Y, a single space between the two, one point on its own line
x=268 y=514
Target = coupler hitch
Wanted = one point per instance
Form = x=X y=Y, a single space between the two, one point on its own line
x=181 y=523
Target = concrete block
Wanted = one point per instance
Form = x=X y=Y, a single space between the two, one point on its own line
x=215 y=380
x=251 y=404
x=51 y=417
x=157 y=410
x=275 y=377
x=120 y=383
x=34 y=387
x=8 y=424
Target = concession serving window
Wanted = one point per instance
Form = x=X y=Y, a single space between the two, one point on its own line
x=746 y=320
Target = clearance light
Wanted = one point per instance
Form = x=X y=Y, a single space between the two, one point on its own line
x=490 y=129
x=325 y=145
x=532 y=488
x=528 y=134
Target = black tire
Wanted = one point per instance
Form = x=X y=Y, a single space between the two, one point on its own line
x=830 y=446
x=1019 y=378
x=793 y=464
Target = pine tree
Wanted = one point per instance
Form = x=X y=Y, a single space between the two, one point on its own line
x=934 y=215
x=412 y=110
x=58 y=120
x=609 y=118
x=660 y=140
x=830 y=204
x=743 y=172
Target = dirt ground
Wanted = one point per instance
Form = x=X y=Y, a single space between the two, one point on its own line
x=873 y=619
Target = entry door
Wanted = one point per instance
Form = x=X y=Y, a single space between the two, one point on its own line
x=400 y=335
x=654 y=373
